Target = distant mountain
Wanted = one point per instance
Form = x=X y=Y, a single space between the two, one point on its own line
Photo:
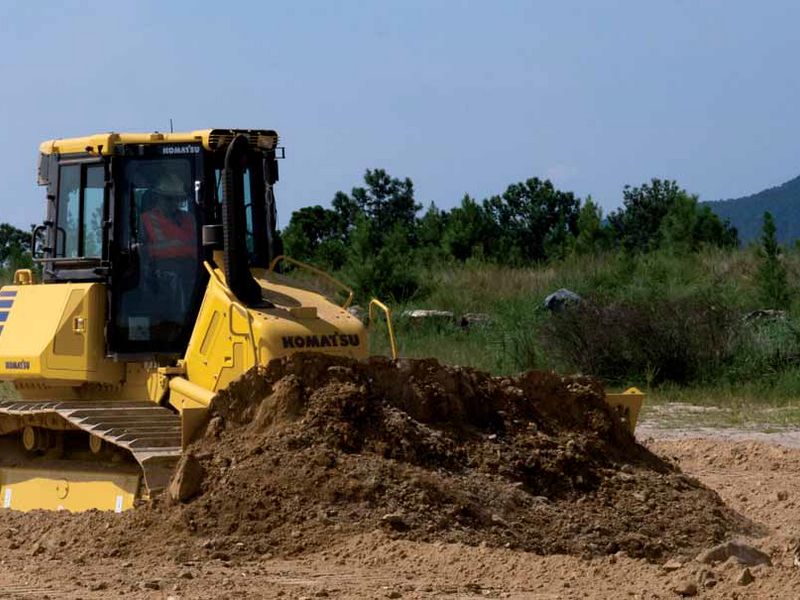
x=747 y=213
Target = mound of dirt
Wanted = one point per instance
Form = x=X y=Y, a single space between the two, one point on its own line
x=314 y=447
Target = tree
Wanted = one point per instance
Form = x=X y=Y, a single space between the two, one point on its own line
x=663 y=215
x=637 y=225
x=532 y=217
x=469 y=231
x=385 y=268
x=430 y=231
x=14 y=243
x=385 y=201
x=593 y=236
x=316 y=235
x=772 y=279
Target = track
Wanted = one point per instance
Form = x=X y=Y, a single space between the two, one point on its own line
x=151 y=433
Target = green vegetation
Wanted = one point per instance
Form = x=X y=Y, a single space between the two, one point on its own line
x=670 y=301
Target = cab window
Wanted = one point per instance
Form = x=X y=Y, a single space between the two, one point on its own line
x=81 y=198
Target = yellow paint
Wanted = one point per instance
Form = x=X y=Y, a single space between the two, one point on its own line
x=229 y=339
x=74 y=490
x=103 y=143
x=628 y=404
x=55 y=333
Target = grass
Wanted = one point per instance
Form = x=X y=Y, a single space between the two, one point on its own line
x=756 y=382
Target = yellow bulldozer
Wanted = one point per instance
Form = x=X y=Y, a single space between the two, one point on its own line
x=160 y=285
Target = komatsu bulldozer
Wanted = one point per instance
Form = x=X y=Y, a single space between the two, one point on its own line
x=160 y=284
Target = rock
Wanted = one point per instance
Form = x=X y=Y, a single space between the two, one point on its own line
x=418 y=316
x=706 y=578
x=498 y=520
x=745 y=577
x=561 y=299
x=782 y=495
x=395 y=521
x=187 y=574
x=394 y=594
x=150 y=585
x=685 y=588
x=743 y=553
x=475 y=320
x=96 y=587
x=672 y=565
x=214 y=427
x=358 y=312
x=187 y=479
x=765 y=314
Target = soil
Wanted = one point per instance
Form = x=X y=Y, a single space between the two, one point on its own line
x=324 y=477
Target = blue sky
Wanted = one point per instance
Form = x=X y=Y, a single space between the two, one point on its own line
x=462 y=97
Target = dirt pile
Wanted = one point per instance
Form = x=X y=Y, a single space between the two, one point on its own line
x=314 y=448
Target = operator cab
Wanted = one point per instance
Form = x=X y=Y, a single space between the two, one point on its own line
x=128 y=210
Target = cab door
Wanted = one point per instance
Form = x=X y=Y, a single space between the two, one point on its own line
x=155 y=295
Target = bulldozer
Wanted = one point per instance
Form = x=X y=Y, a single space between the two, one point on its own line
x=160 y=282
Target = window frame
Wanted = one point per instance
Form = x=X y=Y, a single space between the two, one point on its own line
x=84 y=165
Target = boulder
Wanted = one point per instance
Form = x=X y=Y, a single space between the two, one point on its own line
x=420 y=315
x=187 y=479
x=561 y=299
x=743 y=553
x=475 y=320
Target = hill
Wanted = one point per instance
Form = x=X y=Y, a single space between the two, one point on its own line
x=746 y=213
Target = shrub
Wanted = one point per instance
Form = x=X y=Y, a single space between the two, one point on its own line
x=675 y=340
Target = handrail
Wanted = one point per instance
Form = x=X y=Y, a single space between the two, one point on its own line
x=316 y=271
x=389 y=327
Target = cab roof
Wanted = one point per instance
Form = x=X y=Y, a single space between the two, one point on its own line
x=211 y=139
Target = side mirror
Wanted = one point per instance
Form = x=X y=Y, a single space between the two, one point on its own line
x=36 y=253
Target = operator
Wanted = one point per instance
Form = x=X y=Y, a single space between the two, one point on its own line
x=169 y=248
x=169 y=228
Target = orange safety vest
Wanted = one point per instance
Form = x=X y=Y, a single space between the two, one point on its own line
x=168 y=237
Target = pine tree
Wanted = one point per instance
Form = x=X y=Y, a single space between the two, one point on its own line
x=772 y=279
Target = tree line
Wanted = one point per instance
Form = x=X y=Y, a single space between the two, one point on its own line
x=378 y=236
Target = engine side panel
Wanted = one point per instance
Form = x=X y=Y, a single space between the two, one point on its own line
x=54 y=333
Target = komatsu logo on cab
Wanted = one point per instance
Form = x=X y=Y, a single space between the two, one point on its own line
x=336 y=340
x=20 y=365
x=180 y=149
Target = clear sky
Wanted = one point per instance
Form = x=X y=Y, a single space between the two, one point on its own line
x=462 y=97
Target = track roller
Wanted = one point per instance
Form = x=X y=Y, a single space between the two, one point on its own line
x=36 y=439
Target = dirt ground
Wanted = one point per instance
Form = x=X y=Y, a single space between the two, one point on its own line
x=310 y=492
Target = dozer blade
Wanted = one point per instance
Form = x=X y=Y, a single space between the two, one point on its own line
x=150 y=433
x=60 y=485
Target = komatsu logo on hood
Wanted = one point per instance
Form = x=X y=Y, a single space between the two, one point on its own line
x=20 y=365
x=335 y=340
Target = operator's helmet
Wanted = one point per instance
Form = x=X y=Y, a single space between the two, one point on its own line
x=169 y=185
